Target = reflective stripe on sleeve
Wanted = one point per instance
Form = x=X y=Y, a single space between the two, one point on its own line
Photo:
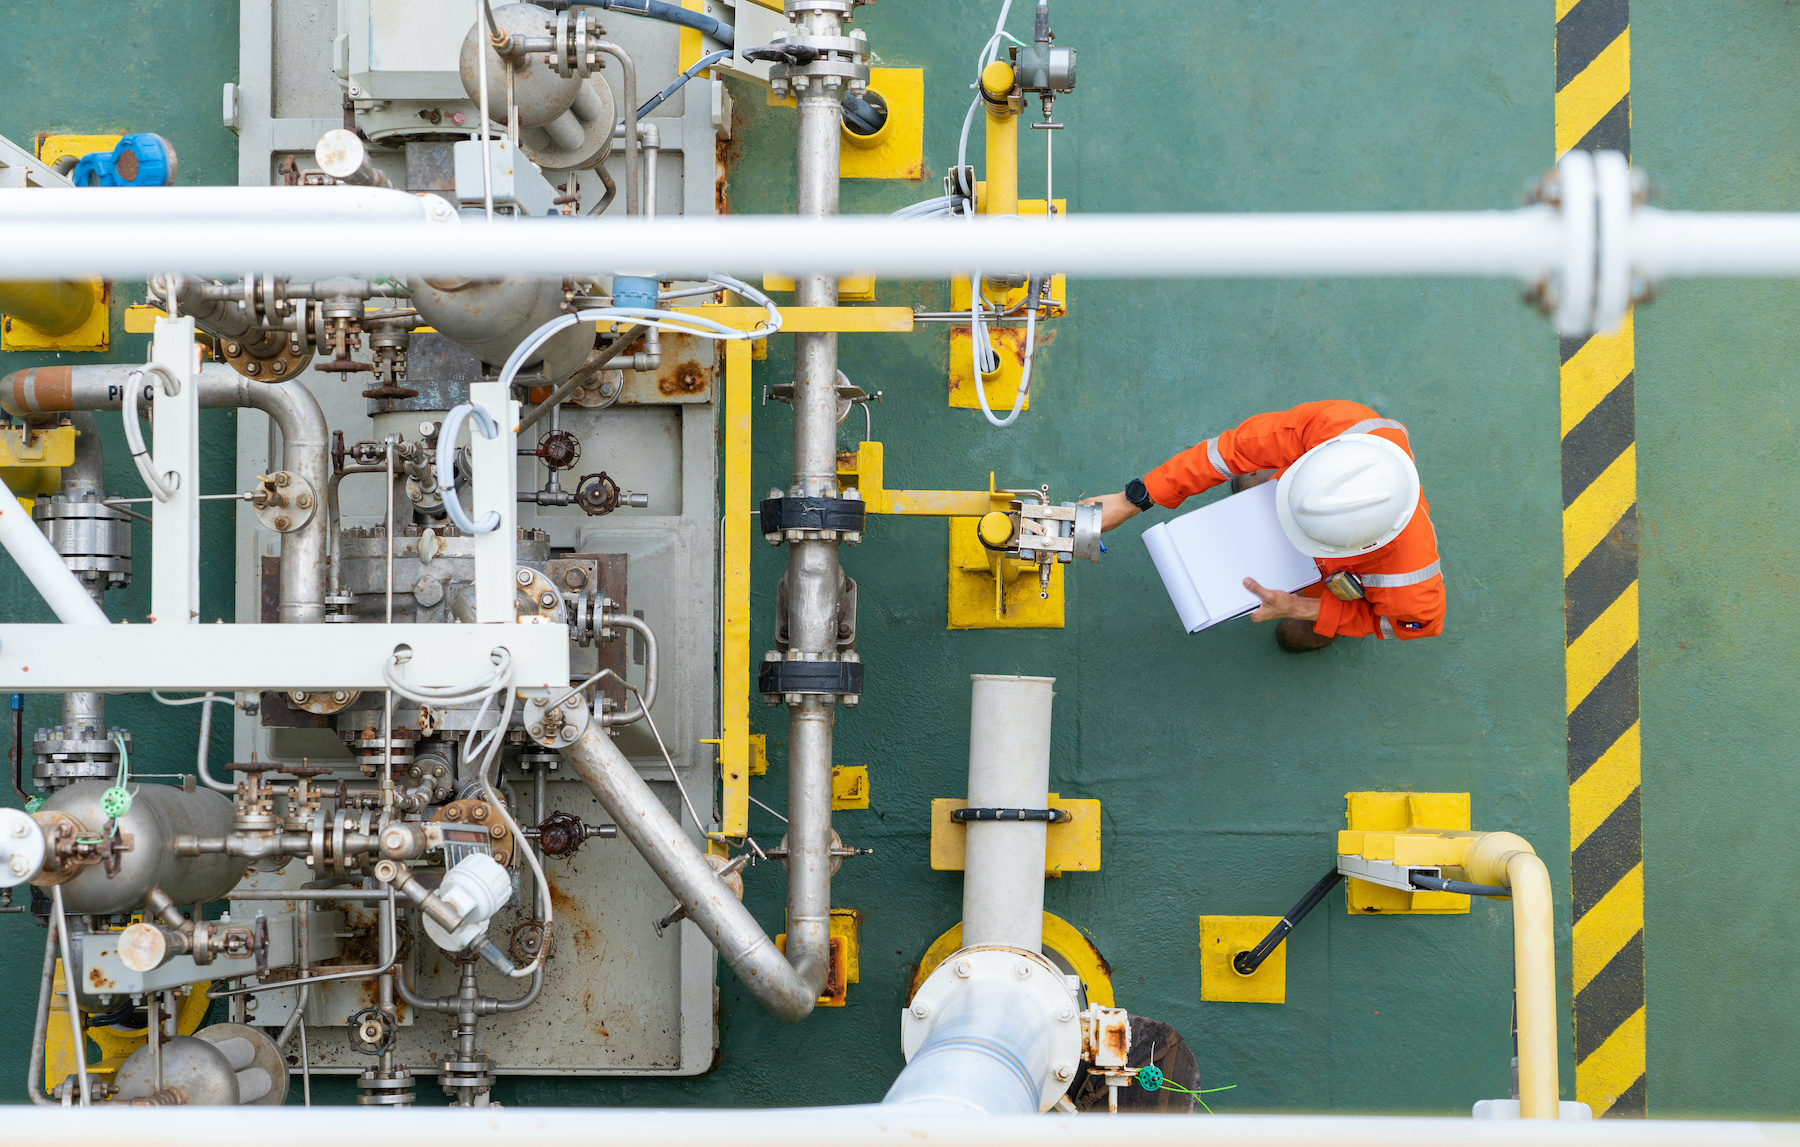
x=1387 y=629
x=1395 y=581
x=1217 y=459
x=1369 y=424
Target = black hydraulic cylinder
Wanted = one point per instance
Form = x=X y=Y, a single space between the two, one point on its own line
x=1247 y=962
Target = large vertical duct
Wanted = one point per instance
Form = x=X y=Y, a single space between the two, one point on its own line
x=1009 y=768
x=995 y=1029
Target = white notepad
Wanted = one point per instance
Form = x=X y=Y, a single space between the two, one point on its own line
x=1205 y=555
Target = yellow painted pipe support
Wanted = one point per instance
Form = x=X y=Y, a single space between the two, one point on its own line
x=1002 y=174
x=52 y=308
x=1503 y=858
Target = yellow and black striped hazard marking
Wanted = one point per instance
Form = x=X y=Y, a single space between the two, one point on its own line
x=1600 y=601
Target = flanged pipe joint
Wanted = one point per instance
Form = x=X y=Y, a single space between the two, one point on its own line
x=994 y=1030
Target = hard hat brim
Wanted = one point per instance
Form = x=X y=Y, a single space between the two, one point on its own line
x=1316 y=549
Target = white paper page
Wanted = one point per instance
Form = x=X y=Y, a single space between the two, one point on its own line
x=1221 y=544
x=1176 y=578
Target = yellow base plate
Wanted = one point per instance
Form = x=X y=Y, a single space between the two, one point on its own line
x=1063 y=943
x=1221 y=939
x=897 y=151
x=94 y=334
x=846 y=969
x=1395 y=812
x=974 y=602
x=1072 y=846
x=849 y=787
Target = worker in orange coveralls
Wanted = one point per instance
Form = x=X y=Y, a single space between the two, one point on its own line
x=1348 y=496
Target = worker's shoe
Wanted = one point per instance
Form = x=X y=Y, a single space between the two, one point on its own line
x=1298 y=636
x=1242 y=482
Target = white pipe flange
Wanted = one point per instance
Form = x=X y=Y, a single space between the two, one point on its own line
x=1612 y=256
x=1576 y=277
x=992 y=967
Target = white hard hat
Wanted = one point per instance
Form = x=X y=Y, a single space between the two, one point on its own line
x=1347 y=495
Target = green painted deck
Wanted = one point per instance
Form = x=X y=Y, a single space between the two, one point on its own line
x=1221 y=762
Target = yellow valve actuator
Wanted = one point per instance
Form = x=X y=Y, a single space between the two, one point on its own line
x=995 y=530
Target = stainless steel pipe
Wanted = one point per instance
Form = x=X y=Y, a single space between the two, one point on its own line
x=788 y=986
x=305 y=442
x=814 y=578
x=85 y=709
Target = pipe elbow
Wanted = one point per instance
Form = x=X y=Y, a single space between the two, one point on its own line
x=1489 y=855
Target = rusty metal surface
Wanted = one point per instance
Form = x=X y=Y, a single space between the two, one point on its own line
x=611 y=1001
x=689 y=372
x=1152 y=1042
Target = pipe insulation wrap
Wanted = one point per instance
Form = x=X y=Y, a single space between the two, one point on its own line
x=1009 y=767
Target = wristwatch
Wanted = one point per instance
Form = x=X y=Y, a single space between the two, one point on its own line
x=1138 y=494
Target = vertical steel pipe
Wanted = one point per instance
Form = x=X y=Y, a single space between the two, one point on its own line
x=814 y=578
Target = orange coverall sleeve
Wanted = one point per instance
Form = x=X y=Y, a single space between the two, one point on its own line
x=1270 y=441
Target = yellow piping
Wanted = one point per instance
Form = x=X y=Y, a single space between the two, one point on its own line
x=1502 y=858
x=1002 y=193
x=53 y=308
x=734 y=657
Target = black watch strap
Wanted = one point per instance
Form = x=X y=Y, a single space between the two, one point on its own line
x=1138 y=494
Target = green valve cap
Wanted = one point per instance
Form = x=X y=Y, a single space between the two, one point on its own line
x=115 y=802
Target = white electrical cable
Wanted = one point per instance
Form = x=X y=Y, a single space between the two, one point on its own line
x=439 y=695
x=675 y=322
x=491 y=748
x=978 y=340
x=200 y=764
x=129 y=403
x=446 y=466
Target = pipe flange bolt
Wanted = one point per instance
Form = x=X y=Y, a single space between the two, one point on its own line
x=809 y=678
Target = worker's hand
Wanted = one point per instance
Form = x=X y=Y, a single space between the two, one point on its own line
x=1276 y=604
x=1114 y=509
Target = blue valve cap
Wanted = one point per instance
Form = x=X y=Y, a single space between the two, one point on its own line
x=142 y=159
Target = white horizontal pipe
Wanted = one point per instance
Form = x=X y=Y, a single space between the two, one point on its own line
x=869 y=1126
x=1523 y=244
x=141 y=206
x=1666 y=244
x=43 y=566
